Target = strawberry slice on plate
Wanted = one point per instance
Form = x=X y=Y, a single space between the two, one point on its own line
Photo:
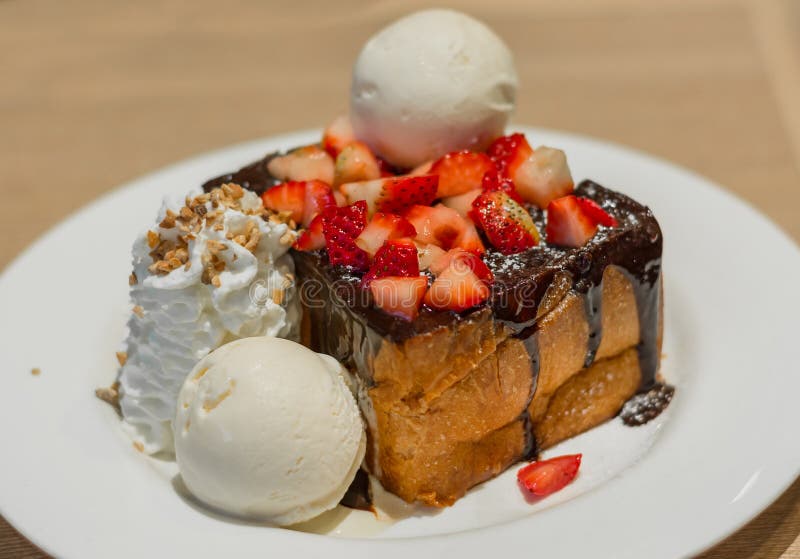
x=381 y=228
x=393 y=194
x=313 y=237
x=303 y=164
x=287 y=197
x=399 y=296
x=545 y=477
x=338 y=134
x=397 y=257
x=341 y=226
x=444 y=227
x=462 y=282
x=573 y=221
x=355 y=162
x=507 y=225
x=460 y=171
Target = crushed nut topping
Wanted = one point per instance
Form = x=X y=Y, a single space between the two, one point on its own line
x=36 y=371
x=169 y=255
x=109 y=395
x=138 y=311
x=122 y=357
x=132 y=279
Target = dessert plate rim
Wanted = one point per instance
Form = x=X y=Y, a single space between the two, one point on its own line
x=48 y=427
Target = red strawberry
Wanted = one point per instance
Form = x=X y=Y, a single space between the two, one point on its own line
x=313 y=237
x=462 y=284
x=397 y=257
x=462 y=203
x=509 y=152
x=393 y=194
x=508 y=226
x=444 y=227
x=381 y=228
x=572 y=222
x=548 y=476
x=303 y=164
x=340 y=227
x=355 y=162
x=286 y=197
x=460 y=171
x=399 y=296
x=421 y=169
x=338 y=134
x=596 y=213
x=494 y=180
x=318 y=196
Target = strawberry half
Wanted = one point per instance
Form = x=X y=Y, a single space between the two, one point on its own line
x=399 y=296
x=462 y=283
x=381 y=228
x=573 y=221
x=548 y=476
x=287 y=197
x=313 y=237
x=303 y=164
x=397 y=257
x=509 y=152
x=318 y=196
x=341 y=226
x=507 y=225
x=444 y=227
x=460 y=171
x=355 y=162
x=338 y=134
x=393 y=194
x=496 y=181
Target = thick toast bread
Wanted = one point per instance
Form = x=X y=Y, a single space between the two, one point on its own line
x=453 y=399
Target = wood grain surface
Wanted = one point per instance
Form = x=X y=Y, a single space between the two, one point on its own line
x=94 y=93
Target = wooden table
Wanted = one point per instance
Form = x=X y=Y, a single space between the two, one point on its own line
x=93 y=93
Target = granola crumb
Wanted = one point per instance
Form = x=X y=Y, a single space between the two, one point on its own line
x=277 y=296
x=287 y=238
x=132 y=279
x=216 y=282
x=109 y=395
x=36 y=371
x=122 y=357
x=138 y=311
x=138 y=446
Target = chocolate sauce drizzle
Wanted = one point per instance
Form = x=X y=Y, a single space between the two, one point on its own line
x=527 y=285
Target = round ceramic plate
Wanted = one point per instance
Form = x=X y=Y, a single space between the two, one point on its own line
x=726 y=447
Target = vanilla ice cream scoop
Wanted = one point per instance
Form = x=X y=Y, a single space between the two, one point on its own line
x=267 y=429
x=432 y=82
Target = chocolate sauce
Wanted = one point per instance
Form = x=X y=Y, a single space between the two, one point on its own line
x=359 y=494
x=647 y=405
x=592 y=301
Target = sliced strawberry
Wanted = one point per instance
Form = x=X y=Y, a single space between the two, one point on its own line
x=509 y=152
x=355 y=163
x=341 y=199
x=470 y=240
x=507 y=225
x=397 y=257
x=393 y=194
x=462 y=284
x=437 y=225
x=341 y=226
x=462 y=203
x=385 y=168
x=338 y=134
x=494 y=180
x=287 y=197
x=460 y=171
x=596 y=213
x=548 y=476
x=381 y=228
x=543 y=177
x=572 y=221
x=303 y=164
x=318 y=196
x=428 y=254
x=312 y=238
x=399 y=296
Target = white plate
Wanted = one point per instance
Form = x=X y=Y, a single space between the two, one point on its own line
x=726 y=448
